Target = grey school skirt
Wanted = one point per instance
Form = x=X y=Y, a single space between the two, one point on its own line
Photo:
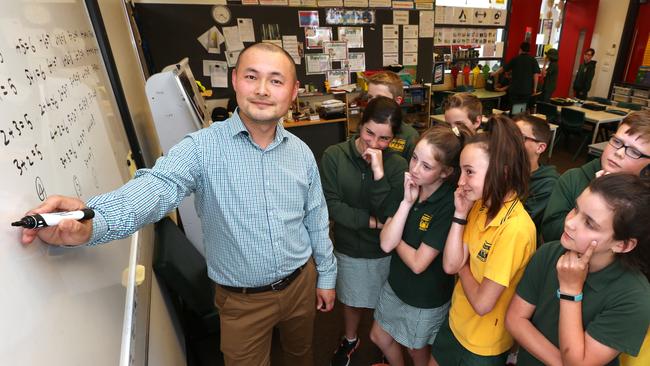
x=409 y=326
x=359 y=280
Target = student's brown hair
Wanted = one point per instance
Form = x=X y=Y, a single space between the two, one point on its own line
x=508 y=169
x=383 y=110
x=639 y=123
x=389 y=79
x=467 y=102
x=628 y=196
x=448 y=142
x=541 y=130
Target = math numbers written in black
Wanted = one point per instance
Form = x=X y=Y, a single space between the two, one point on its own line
x=7 y=89
x=24 y=164
x=16 y=129
x=67 y=157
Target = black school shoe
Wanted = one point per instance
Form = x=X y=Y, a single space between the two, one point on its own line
x=344 y=352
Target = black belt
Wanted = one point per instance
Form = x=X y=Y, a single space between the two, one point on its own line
x=278 y=285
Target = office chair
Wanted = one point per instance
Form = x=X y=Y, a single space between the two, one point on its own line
x=628 y=105
x=572 y=123
x=182 y=270
x=549 y=110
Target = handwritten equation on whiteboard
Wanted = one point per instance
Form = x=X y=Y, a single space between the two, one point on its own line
x=49 y=101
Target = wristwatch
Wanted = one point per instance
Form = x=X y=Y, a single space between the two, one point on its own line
x=574 y=298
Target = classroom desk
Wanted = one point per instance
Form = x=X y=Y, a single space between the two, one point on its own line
x=596 y=150
x=598 y=117
x=481 y=93
x=437 y=118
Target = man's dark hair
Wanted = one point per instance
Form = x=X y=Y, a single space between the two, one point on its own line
x=271 y=48
x=593 y=52
x=525 y=47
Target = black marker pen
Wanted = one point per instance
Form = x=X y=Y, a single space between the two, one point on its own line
x=36 y=221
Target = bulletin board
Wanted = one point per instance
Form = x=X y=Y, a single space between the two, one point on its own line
x=170 y=31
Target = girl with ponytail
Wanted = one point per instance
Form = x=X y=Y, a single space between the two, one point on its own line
x=490 y=241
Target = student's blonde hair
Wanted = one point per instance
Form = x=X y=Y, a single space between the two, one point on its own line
x=391 y=80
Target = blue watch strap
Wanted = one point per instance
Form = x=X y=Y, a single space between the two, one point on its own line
x=563 y=296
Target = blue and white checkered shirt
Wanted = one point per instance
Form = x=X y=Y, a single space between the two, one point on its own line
x=262 y=211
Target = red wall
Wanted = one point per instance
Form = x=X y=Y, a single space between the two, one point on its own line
x=641 y=28
x=578 y=15
x=523 y=13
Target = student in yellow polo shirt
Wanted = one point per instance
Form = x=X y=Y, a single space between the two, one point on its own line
x=491 y=240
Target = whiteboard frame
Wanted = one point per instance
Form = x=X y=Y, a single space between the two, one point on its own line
x=111 y=69
x=140 y=301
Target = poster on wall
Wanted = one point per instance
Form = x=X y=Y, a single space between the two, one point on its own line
x=338 y=50
x=317 y=63
x=315 y=36
x=356 y=61
x=498 y=17
x=349 y=16
x=308 y=18
x=352 y=35
x=338 y=77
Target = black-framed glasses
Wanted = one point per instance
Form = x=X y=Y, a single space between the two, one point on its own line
x=630 y=151
x=530 y=138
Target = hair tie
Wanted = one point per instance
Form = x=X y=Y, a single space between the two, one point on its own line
x=456 y=131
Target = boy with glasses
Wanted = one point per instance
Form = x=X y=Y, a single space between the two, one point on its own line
x=543 y=178
x=628 y=151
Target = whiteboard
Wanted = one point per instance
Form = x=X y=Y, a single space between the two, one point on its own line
x=60 y=133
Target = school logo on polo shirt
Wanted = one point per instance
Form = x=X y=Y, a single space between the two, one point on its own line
x=397 y=144
x=485 y=250
x=424 y=222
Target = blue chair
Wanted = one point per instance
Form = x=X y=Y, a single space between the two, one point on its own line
x=547 y=109
x=572 y=123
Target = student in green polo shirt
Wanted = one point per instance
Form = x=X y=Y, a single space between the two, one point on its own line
x=415 y=300
x=490 y=241
x=543 y=178
x=583 y=300
x=389 y=84
x=363 y=186
x=628 y=151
